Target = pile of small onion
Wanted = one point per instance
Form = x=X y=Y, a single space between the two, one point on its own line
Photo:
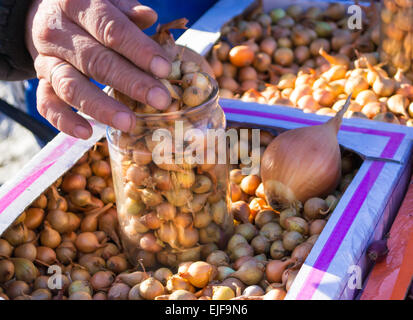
x=74 y=225
x=309 y=59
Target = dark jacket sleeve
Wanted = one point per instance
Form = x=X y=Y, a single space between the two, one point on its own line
x=15 y=60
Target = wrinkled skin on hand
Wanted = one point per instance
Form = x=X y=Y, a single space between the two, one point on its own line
x=72 y=40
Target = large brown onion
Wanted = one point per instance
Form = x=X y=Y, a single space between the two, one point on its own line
x=302 y=163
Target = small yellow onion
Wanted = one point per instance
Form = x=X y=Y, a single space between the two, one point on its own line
x=287 y=81
x=304 y=78
x=25 y=270
x=365 y=97
x=398 y=104
x=355 y=85
x=292 y=239
x=354 y=106
x=150 y=197
x=226 y=94
x=241 y=56
x=302 y=53
x=275 y=294
x=16 y=235
x=284 y=56
x=317 y=226
x=317 y=44
x=222 y=50
x=188 y=237
x=268 y=45
x=216 y=64
x=228 y=83
x=222 y=293
x=262 y=62
x=194 y=96
x=372 y=109
x=196 y=79
x=176 y=282
x=315 y=207
x=50 y=237
x=277 y=250
x=337 y=86
x=235 y=191
x=336 y=72
x=320 y=83
x=301 y=252
x=340 y=38
x=34 y=218
x=256 y=205
x=180 y=295
x=202 y=218
x=275 y=269
x=299 y=92
x=137 y=174
x=387 y=117
x=178 y=197
x=297 y=224
x=260 y=190
x=410 y=110
x=151 y=288
x=224 y=272
x=250 y=184
x=338 y=59
x=141 y=154
x=6 y=249
x=326 y=112
x=382 y=85
x=200 y=273
x=372 y=74
x=168 y=233
x=251 y=272
x=324 y=97
x=307 y=103
x=229 y=70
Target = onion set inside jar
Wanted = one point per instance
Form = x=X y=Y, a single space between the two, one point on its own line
x=397 y=36
x=168 y=210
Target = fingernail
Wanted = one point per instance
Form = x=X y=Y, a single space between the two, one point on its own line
x=81 y=132
x=160 y=67
x=158 y=98
x=122 y=121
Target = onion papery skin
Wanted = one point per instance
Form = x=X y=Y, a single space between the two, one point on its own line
x=300 y=164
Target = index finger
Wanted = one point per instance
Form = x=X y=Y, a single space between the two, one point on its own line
x=141 y=15
x=108 y=25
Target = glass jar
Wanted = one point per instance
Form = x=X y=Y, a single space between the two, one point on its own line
x=397 y=36
x=168 y=210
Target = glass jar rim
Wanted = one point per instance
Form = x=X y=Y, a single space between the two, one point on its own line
x=171 y=115
x=176 y=114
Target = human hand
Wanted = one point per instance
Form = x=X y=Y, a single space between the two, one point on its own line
x=71 y=40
